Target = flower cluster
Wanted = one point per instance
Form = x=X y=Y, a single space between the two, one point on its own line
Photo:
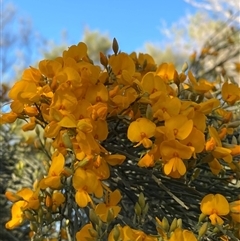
x=180 y=122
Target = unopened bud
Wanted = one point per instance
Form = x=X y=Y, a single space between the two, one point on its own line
x=201 y=217
x=66 y=140
x=173 y=225
x=184 y=67
x=33 y=226
x=48 y=201
x=29 y=215
x=93 y=232
x=179 y=223
x=116 y=233
x=145 y=209
x=141 y=200
x=115 y=46
x=202 y=230
x=103 y=60
x=165 y=224
x=137 y=209
x=40 y=216
x=110 y=215
x=233 y=124
x=93 y=217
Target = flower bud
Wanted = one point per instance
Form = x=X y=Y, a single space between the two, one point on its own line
x=145 y=209
x=29 y=215
x=116 y=233
x=66 y=140
x=165 y=224
x=93 y=217
x=103 y=59
x=137 y=209
x=33 y=226
x=179 y=223
x=173 y=225
x=93 y=232
x=202 y=230
x=110 y=215
x=184 y=67
x=141 y=200
x=115 y=46
x=201 y=217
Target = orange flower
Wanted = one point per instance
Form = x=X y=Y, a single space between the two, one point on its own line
x=173 y=152
x=215 y=206
x=111 y=202
x=140 y=131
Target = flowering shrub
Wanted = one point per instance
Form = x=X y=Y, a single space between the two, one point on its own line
x=119 y=134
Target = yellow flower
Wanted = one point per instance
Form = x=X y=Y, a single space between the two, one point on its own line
x=196 y=139
x=166 y=71
x=63 y=106
x=140 y=131
x=8 y=117
x=215 y=206
x=173 y=152
x=85 y=137
x=147 y=160
x=201 y=86
x=85 y=235
x=111 y=202
x=230 y=93
x=179 y=126
x=57 y=200
x=96 y=93
x=143 y=62
x=53 y=179
x=235 y=211
x=85 y=182
x=122 y=64
x=182 y=235
x=49 y=68
x=166 y=107
x=115 y=159
x=17 y=215
x=76 y=52
x=214 y=145
x=152 y=83
x=126 y=234
x=26 y=194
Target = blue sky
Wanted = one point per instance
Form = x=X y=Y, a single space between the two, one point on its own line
x=131 y=22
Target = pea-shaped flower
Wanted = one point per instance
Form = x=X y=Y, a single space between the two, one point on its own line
x=141 y=131
x=215 y=206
